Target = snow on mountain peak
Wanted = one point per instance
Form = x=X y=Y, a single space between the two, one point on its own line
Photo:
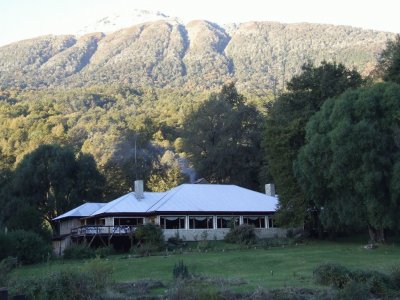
x=119 y=20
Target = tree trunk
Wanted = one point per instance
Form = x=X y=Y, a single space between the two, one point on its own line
x=376 y=235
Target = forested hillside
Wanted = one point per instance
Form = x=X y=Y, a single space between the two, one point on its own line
x=103 y=122
x=200 y=55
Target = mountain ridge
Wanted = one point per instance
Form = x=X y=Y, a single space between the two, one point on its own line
x=198 y=55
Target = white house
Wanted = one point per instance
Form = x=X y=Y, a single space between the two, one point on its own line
x=191 y=211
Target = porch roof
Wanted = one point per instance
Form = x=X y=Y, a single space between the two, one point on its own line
x=83 y=210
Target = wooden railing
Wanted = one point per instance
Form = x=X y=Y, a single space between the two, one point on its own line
x=102 y=229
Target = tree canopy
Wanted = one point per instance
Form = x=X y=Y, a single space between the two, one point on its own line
x=222 y=139
x=389 y=61
x=349 y=166
x=284 y=132
x=46 y=183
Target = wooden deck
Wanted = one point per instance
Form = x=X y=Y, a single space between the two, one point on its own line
x=105 y=234
x=103 y=230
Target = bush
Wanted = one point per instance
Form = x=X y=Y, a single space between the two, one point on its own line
x=355 y=290
x=332 y=274
x=340 y=277
x=88 y=283
x=243 y=234
x=5 y=246
x=150 y=234
x=79 y=251
x=104 y=252
x=395 y=276
x=100 y=272
x=28 y=247
x=6 y=265
x=66 y=284
x=379 y=284
x=203 y=244
x=180 y=271
x=146 y=249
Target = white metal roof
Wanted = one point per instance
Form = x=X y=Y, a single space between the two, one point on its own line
x=194 y=198
x=214 y=198
x=130 y=204
x=83 y=210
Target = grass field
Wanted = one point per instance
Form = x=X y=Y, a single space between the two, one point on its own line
x=290 y=266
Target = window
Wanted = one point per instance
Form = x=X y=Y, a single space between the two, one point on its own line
x=90 y=221
x=270 y=222
x=172 y=222
x=128 y=221
x=227 y=221
x=256 y=221
x=200 y=222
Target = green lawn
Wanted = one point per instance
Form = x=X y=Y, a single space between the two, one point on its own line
x=276 y=267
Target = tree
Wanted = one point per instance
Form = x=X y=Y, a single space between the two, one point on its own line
x=47 y=182
x=167 y=173
x=284 y=132
x=350 y=165
x=222 y=139
x=389 y=61
x=133 y=157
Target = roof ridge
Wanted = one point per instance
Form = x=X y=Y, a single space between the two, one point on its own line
x=166 y=194
x=116 y=202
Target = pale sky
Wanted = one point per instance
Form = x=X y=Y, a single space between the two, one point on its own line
x=21 y=19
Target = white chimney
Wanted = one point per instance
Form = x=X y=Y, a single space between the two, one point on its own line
x=139 y=189
x=270 y=189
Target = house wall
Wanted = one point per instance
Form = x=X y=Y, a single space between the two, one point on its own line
x=196 y=234
x=59 y=246
x=218 y=234
x=67 y=225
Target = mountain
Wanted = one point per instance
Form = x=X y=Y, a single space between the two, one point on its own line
x=200 y=55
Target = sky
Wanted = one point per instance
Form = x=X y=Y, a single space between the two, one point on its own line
x=22 y=19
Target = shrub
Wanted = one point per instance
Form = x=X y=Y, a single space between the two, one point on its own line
x=290 y=233
x=104 y=252
x=6 y=265
x=379 y=284
x=137 y=289
x=332 y=274
x=182 y=290
x=79 y=251
x=339 y=276
x=150 y=234
x=66 y=284
x=243 y=234
x=180 y=271
x=203 y=244
x=395 y=276
x=100 y=272
x=5 y=246
x=175 y=241
x=146 y=249
x=88 y=283
x=28 y=247
x=355 y=290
